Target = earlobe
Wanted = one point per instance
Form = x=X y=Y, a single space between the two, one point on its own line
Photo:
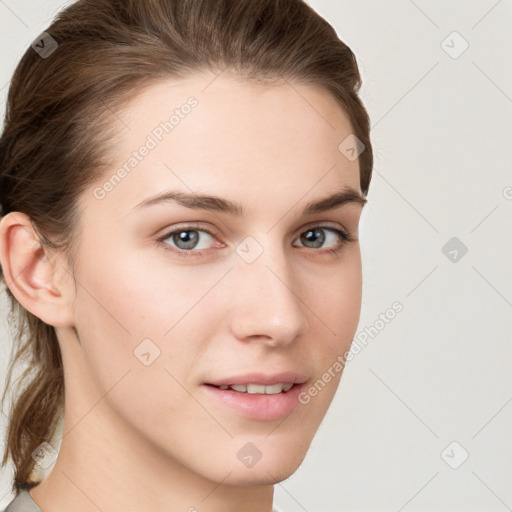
x=29 y=274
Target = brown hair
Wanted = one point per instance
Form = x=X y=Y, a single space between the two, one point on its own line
x=59 y=126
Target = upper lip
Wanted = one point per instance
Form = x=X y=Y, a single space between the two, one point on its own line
x=260 y=378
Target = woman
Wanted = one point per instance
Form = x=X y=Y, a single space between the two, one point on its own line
x=181 y=187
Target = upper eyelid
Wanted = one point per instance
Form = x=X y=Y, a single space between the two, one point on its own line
x=214 y=232
x=187 y=227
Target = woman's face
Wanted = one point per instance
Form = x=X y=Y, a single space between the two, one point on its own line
x=255 y=287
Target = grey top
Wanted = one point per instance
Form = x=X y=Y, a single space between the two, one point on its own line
x=23 y=502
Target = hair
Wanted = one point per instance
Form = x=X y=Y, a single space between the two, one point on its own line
x=60 y=124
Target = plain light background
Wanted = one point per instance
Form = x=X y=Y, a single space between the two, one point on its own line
x=422 y=419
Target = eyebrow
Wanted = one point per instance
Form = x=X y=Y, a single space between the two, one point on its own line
x=219 y=204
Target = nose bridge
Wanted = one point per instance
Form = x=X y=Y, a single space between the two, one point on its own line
x=268 y=306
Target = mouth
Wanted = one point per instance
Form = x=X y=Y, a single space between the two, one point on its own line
x=263 y=398
x=257 y=389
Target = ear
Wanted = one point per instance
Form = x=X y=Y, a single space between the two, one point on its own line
x=36 y=277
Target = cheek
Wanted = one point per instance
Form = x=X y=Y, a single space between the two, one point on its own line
x=130 y=295
x=123 y=312
x=129 y=313
x=337 y=302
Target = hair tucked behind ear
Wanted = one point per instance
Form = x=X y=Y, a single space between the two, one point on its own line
x=60 y=124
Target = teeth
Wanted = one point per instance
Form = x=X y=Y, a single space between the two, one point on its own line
x=274 y=389
x=254 y=389
x=260 y=389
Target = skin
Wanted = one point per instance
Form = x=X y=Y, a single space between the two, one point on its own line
x=142 y=437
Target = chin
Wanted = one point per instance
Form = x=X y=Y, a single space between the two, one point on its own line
x=272 y=463
x=264 y=474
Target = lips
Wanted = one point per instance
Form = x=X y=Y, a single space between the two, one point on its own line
x=258 y=396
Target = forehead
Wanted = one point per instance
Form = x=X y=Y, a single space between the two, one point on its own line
x=212 y=133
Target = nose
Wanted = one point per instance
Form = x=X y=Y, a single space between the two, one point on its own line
x=266 y=307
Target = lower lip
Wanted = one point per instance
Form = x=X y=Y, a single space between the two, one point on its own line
x=257 y=407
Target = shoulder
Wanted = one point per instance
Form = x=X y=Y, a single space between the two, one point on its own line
x=23 y=502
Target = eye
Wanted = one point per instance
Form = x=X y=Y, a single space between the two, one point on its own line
x=187 y=239
x=316 y=236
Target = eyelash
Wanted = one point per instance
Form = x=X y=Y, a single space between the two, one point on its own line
x=345 y=237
